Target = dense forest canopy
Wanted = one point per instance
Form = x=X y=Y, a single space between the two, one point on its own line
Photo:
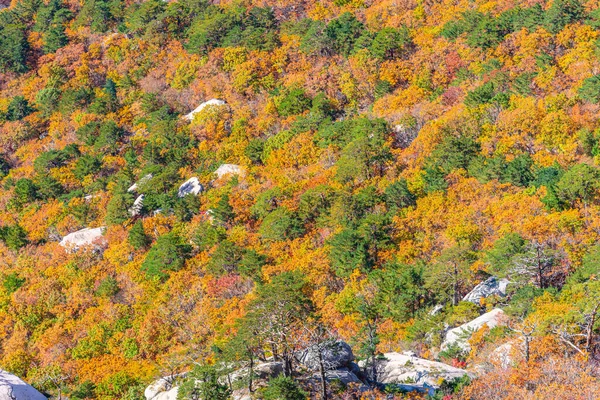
x=369 y=161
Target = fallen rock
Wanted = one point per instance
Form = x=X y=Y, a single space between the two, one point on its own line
x=335 y=355
x=135 y=186
x=162 y=388
x=212 y=102
x=191 y=186
x=228 y=169
x=137 y=206
x=460 y=336
x=83 y=237
x=489 y=287
x=418 y=373
x=13 y=387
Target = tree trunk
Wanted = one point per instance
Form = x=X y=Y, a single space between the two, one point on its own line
x=250 y=373
x=455 y=286
x=590 y=329
x=322 y=373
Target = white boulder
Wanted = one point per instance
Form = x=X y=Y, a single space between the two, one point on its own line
x=83 y=237
x=228 y=169
x=334 y=354
x=460 y=336
x=191 y=186
x=489 y=287
x=163 y=388
x=396 y=368
x=137 y=206
x=135 y=186
x=212 y=102
x=13 y=387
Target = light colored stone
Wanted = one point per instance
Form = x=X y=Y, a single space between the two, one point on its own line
x=396 y=368
x=137 y=206
x=436 y=310
x=163 y=388
x=191 y=186
x=463 y=333
x=212 y=102
x=13 y=387
x=135 y=186
x=489 y=287
x=335 y=355
x=228 y=169
x=83 y=237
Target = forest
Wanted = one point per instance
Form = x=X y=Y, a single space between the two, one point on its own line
x=191 y=187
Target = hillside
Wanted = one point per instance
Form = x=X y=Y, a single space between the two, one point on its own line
x=194 y=185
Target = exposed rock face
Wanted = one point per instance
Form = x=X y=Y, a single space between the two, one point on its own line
x=163 y=389
x=191 y=186
x=12 y=387
x=137 y=206
x=489 y=287
x=463 y=333
x=83 y=237
x=228 y=169
x=135 y=186
x=396 y=368
x=335 y=355
x=265 y=370
x=212 y=102
x=344 y=375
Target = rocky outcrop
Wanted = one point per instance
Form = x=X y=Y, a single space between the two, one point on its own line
x=460 y=336
x=334 y=355
x=228 y=170
x=191 y=186
x=137 y=206
x=406 y=368
x=13 y=387
x=135 y=186
x=212 y=102
x=163 y=388
x=82 y=238
x=490 y=287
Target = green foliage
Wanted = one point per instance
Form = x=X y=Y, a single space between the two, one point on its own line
x=12 y=282
x=580 y=182
x=293 y=102
x=563 y=12
x=398 y=196
x=108 y=287
x=281 y=224
x=590 y=89
x=14 y=46
x=18 y=109
x=283 y=388
x=203 y=383
x=167 y=254
x=389 y=43
x=137 y=236
x=343 y=32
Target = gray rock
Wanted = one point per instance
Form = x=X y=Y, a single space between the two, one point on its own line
x=335 y=355
x=135 y=186
x=163 y=388
x=13 y=387
x=460 y=336
x=191 y=186
x=489 y=287
x=137 y=206
x=228 y=169
x=212 y=102
x=404 y=369
x=81 y=238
